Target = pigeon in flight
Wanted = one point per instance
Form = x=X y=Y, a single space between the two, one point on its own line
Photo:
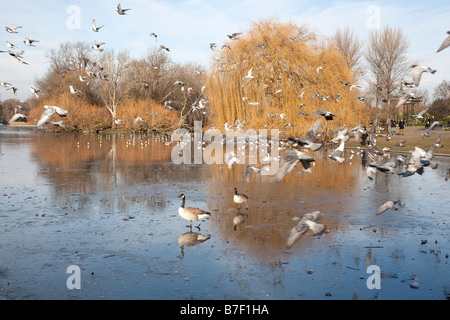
x=417 y=71
x=445 y=44
x=121 y=11
x=94 y=27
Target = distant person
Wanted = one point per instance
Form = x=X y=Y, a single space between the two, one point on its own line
x=401 y=126
x=372 y=132
x=393 y=125
x=364 y=136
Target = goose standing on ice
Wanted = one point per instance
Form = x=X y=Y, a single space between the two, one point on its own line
x=240 y=198
x=191 y=213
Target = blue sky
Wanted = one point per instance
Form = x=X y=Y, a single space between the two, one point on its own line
x=187 y=27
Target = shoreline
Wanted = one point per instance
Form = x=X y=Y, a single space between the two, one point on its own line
x=412 y=136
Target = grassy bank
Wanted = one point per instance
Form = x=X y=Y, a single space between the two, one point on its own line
x=412 y=135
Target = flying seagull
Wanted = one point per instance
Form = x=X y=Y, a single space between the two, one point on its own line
x=326 y=114
x=310 y=136
x=35 y=91
x=337 y=153
x=400 y=143
x=445 y=44
x=121 y=11
x=10 y=45
x=49 y=112
x=404 y=98
x=161 y=47
x=96 y=46
x=94 y=27
x=234 y=36
x=12 y=29
x=18 y=117
x=16 y=54
x=14 y=89
x=74 y=91
x=249 y=74
x=388 y=205
x=154 y=35
x=420 y=114
x=231 y=158
x=290 y=160
x=303 y=224
x=417 y=71
x=29 y=42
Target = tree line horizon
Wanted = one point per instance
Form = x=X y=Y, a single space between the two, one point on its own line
x=271 y=76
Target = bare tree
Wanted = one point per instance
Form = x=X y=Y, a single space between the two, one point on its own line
x=350 y=46
x=113 y=87
x=442 y=91
x=66 y=65
x=387 y=64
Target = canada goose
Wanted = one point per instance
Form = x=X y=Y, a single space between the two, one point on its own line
x=191 y=213
x=191 y=239
x=238 y=219
x=240 y=198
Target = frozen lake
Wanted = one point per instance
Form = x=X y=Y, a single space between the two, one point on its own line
x=108 y=204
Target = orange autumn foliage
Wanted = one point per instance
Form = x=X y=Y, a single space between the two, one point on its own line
x=284 y=59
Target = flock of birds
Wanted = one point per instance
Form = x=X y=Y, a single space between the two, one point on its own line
x=97 y=72
x=404 y=165
x=417 y=160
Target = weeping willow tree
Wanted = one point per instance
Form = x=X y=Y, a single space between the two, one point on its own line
x=281 y=69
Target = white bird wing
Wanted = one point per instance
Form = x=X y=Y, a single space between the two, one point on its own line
x=416 y=75
x=445 y=44
x=46 y=115
x=386 y=206
x=17 y=116
x=312 y=132
x=296 y=232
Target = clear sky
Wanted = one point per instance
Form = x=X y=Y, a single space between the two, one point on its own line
x=187 y=27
